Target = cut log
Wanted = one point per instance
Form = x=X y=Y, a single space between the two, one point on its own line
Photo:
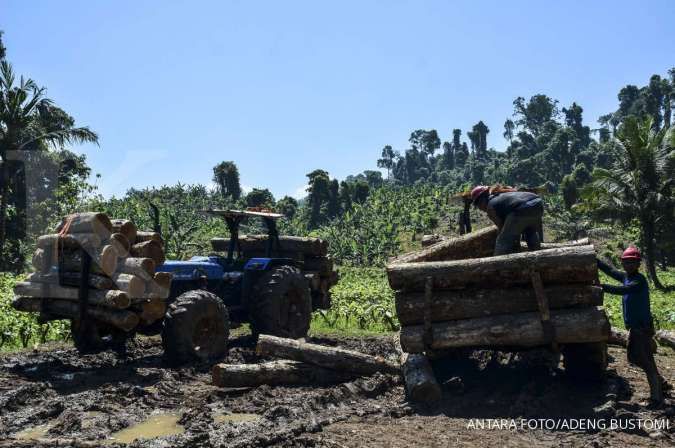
x=152 y=308
x=142 y=237
x=420 y=382
x=122 y=319
x=665 y=337
x=141 y=267
x=511 y=330
x=334 y=358
x=580 y=242
x=428 y=240
x=274 y=373
x=104 y=262
x=469 y=303
x=258 y=243
x=89 y=222
x=126 y=228
x=160 y=285
x=110 y=298
x=120 y=243
x=618 y=337
x=71 y=241
x=42 y=260
x=149 y=249
x=472 y=245
x=133 y=285
x=563 y=265
x=71 y=279
x=322 y=265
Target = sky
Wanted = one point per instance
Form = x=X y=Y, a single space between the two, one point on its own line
x=285 y=87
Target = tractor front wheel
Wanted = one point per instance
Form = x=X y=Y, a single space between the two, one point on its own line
x=281 y=304
x=195 y=328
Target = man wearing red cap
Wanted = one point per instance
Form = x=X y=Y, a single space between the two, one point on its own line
x=516 y=213
x=637 y=317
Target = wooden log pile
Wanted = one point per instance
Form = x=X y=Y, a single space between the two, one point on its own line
x=451 y=294
x=312 y=253
x=124 y=289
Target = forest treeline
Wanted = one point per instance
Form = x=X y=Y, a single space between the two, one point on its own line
x=617 y=176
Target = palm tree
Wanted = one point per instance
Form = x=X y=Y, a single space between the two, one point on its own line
x=640 y=185
x=29 y=122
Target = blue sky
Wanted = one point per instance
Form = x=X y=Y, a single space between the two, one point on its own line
x=285 y=87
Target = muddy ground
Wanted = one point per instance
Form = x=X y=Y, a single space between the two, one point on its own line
x=56 y=397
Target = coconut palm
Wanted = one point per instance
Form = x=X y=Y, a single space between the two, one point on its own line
x=29 y=122
x=640 y=185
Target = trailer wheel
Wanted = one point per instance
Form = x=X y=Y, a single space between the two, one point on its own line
x=585 y=361
x=195 y=328
x=281 y=304
x=97 y=337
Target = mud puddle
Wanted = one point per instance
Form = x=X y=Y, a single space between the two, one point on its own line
x=160 y=425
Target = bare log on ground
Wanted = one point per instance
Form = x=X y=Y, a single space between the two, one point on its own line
x=618 y=337
x=274 y=373
x=563 y=265
x=471 y=245
x=72 y=278
x=160 y=285
x=89 y=222
x=110 y=298
x=328 y=357
x=142 y=237
x=133 y=285
x=469 y=303
x=665 y=337
x=149 y=249
x=121 y=244
x=420 y=381
x=126 y=228
x=141 y=267
x=70 y=241
x=258 y=243
x=122 y=319
x=512 y=330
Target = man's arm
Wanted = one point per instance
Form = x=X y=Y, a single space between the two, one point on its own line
x=494 y=217
x=633 y=286
x=610 y=270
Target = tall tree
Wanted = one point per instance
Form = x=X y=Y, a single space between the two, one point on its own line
x=287 y=206
x=387 y=160
x=534 y=114
x=317 y=199
x=226 y=176
x=509 y=127
x=480 y=132
x=259 y=197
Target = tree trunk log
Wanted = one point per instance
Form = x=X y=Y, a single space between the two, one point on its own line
x=142 y=237
x=126 y=228
x=160 y=285
x=666 y=338
x=471 y=245
x=151 y=308
x=469 y=303
x=420 y=381
x=89 y=222
x=141 y=267
x=579 y=242
x=563 y=265
x=328 y=357
x=110 y=298
x=274 y=373
x=72 y=279
x=133 y=285
x=618 y=337
x=122 y=319
x=511 y=330
x=258 y=243
x=70 y=241
x=104 y=261
x=121 y=244
x=322 y=265
x=149 y=249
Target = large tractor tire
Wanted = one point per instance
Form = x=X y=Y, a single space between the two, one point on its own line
x=585 y=361
x=97 y=337
x=195 y=328
x=281 y=304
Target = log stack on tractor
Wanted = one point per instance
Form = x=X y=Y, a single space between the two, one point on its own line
x=453 y=294
x=312 y=253
x=99 y=269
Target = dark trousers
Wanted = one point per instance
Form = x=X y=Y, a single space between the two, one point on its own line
x=526 y=222
x=641 y=349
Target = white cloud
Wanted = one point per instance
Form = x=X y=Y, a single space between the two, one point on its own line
x=300 y=192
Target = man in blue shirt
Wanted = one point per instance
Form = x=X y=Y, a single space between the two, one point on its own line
x=516 y=213
x=637 y=317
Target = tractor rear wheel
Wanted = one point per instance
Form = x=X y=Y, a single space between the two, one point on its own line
x=195 y=328
x=585 y=361
x=281 y=304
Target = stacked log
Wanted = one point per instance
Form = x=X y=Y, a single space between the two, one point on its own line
x=466 y=301
x=124 y=291
x=311 y=253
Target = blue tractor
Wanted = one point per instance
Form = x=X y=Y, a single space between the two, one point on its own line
x=208 y=293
